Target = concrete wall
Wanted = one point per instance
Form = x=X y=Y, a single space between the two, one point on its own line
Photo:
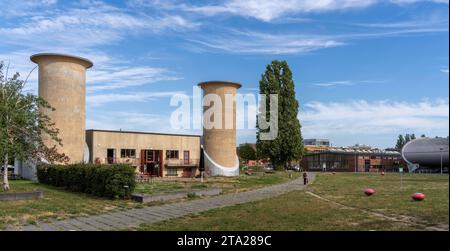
x=99 y=141
x=62 y=83
x=220 y=144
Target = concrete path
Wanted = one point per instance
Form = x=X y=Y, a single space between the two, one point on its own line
x=134 y=217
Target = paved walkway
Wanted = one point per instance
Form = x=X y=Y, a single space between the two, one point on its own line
x=134 y=217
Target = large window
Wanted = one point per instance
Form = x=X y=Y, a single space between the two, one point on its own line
x=171 y=171
x=172 y=154
x=128 y=153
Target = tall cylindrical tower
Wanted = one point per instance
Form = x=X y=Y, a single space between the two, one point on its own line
x=219 y=142
x=62 y=83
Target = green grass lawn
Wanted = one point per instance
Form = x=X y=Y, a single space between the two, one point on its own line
x=300 y=211
x=62 y=204
x=57 y=203
x=228 y=184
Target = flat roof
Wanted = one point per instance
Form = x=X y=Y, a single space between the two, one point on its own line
x=137 y=132
x=86 y=62
x=355 y=152
x=220 y=82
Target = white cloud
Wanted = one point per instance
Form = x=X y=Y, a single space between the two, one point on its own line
x=444 y=71
x=133 y=121
x=87 y=25
x=241 y=42
x=268 y=10
x=347 y=83
x=101 y=99
x=374 y=118
x=112 y=77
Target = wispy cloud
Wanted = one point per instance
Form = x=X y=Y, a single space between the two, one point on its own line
x=89 y=24
x=134 y=121
x=249 y=42
x=362 y=117
x=113 y=77
x=444 y=71
x=267 y=10
x=101 y=99
x=347 y=83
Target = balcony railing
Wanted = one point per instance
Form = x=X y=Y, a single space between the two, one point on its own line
x=137 y=162
x=181 y=162
x=131 y=161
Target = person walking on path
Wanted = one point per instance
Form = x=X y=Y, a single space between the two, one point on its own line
x=305 y=178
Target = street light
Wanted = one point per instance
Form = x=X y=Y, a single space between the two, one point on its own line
x=441 y=149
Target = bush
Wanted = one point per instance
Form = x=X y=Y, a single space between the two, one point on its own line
x=111 y=181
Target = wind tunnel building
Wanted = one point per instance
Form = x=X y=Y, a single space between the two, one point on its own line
x=427 y=154
x=62 y=83
x=219 y=144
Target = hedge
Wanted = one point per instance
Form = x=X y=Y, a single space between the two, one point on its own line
x=100 y=180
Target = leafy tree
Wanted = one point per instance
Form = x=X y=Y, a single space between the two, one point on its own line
x=23 y=125
x=288 y=146
x=407 y=138
x=246 y=152
x=400 y=142
x=423 y=136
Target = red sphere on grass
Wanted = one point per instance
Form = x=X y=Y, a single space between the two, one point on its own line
x=418 y=196
x=382 y=173
x=369 y=191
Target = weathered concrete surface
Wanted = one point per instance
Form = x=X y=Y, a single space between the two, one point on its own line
x=62 y=83
x=21 y=196
x=146 y=198
x=220 y=143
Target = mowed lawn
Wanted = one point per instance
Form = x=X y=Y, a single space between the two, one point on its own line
x=228 y=184
x=57 y=203
x=299 y=210
x=62 y=204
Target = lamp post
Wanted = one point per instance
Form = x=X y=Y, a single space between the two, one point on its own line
x=441 y=149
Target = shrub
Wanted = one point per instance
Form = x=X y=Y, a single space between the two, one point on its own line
x=101 y=180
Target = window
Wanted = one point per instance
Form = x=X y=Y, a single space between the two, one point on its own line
x=128 y=153
x=172 y=154
x=171 y=171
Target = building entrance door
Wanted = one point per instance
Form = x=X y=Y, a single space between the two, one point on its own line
x=110 y=155
x=186 y=157
x=367 y=165
x=151 y=162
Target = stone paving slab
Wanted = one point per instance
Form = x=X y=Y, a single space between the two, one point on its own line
x=134 y=217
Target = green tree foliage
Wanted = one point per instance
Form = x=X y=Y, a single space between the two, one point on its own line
x=246 y=152
x=288 y=146
x=23 y=125
x=402 y=140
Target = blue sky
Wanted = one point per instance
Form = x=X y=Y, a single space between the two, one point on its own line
x=365 y=71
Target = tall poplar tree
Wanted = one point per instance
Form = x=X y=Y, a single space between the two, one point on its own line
x=288 y=146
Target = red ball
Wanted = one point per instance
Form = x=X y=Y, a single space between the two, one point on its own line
x=369 y=191
x=418 y=196
x=382 y=173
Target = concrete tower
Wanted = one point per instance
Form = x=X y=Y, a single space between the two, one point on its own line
x=62 y=83
x=219 y=144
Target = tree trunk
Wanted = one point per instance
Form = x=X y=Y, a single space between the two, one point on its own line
x=5 y=174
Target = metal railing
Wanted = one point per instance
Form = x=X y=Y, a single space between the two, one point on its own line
x=181 y=162
x=131 y=161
